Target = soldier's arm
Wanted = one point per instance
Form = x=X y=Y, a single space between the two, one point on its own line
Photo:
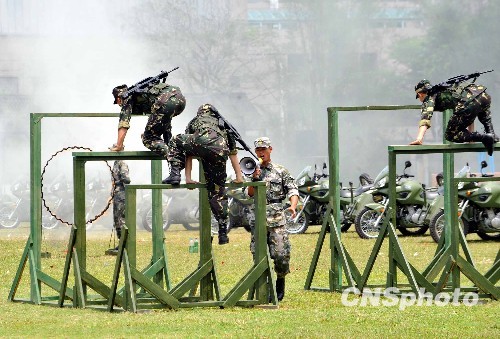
x=425 y=121
x=123 y=126
x=292 y=191
x=236 y=167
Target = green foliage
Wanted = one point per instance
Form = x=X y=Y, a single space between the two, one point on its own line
x=301 y=314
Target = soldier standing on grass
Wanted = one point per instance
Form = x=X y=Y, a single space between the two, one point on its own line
x=279 y=185
x=121 y=177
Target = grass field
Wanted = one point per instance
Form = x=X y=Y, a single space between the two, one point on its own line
x=301 y=314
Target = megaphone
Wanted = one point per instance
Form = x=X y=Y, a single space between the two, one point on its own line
x=248 y=165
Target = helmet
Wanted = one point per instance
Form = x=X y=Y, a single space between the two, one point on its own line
x=422 y=86
x=119 y=90
x=207 y=108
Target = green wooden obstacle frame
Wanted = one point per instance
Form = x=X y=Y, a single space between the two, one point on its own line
x=154 y=279
x=32 y=251
x=255 y=281
x=447 y=259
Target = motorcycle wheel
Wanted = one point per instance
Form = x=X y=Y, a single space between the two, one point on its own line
x=49 y=222
x=147 y=220
x=191 y=226
x=364 y=224
x=298 y=227
x=413 y=231
x=5 y=221
x=436 y=226
x=488 y=236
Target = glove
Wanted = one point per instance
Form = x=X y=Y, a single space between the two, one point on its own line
x=115 y=148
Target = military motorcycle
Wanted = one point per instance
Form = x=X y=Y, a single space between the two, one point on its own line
x=314 y=199
x=13 y=211
x=353 y=199
x=479 y=208
x=240 y=211
x=414 y=206
x=179 y=207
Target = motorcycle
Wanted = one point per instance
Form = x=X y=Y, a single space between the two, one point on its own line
x=314 y=199
x=414 y=206
x=13 y=212
x=352 y=200
x=240 y=211
x=179 y=207
x=479 y=208
x=59 y=198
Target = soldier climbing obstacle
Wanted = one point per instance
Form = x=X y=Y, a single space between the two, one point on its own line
x=467 y=100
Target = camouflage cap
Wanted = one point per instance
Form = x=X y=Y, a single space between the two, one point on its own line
x=119 y=90
x=262 y=142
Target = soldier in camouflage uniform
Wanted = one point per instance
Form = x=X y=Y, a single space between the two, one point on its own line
x=121 y=177
x=163 y=101
x=206 y=139
x=467 y=101
x=279 y=185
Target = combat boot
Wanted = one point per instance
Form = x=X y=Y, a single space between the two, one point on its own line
x=114 y=251
x=488 y=129
x=488 y=140
x=175 y=174
x=223 y=238
x=280 y=288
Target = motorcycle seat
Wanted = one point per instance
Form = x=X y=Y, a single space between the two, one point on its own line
x=346 y=192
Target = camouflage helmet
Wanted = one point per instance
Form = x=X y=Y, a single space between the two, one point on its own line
x=422 y=86
x=207 y=108
x=119 y=90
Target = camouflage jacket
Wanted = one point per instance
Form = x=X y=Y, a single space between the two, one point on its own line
x=205 y=126
x=142 y=104
x=448 y=99
x=279 y=185
x=120 y=175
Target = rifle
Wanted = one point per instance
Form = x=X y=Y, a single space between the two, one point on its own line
x=227 y=125
x=144 y=84
x=454 y=81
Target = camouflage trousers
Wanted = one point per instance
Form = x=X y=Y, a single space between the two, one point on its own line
x=464 y=115
x=279 y=248
x=119 y=209
x=158 y=130
x=214 y=169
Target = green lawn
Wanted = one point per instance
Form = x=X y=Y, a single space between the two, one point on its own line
x=301 y=314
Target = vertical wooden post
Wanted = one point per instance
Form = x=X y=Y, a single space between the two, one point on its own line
x=36 y=197
x=392 y=278
x=157 y=233
x=130 y=246
x=205 y=242
x=261 y=238
x=334 y=201
x=79 y=220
